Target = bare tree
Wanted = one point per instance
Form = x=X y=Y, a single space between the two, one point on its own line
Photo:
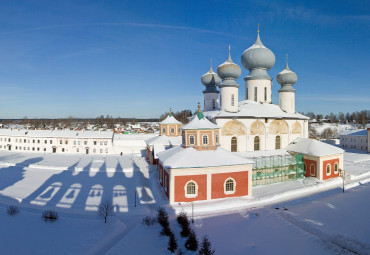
x=106 y=209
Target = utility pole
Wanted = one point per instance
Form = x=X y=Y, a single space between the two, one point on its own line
x=343 y=175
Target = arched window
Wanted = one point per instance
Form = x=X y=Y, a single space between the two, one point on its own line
x=277 y=142
x=191 y=189
x=257 y=143
x=265 y=94
x=234 y=144
x=230 y=186
x=336 y=168
x=232 y=99
x=205 y=139
x=172 y=130
x=191 y=139
x=312 y=170
x=164 y=130
x=328 y=169
x=255 y=94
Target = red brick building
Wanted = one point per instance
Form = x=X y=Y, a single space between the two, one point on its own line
x=321 y=160
x=170 y=136
x=199 y=169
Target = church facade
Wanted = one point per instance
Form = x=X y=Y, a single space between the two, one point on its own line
x=254 y=123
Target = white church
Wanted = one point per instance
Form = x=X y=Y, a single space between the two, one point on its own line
x=232 y=146
x=254 y=123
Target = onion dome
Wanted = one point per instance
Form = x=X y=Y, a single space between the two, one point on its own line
x=258 y=59
x=286 y=78
x=211 y=80
x=229 y=69
x=229 y=72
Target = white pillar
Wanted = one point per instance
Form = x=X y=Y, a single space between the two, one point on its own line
x=229 y=98
x=287 y=101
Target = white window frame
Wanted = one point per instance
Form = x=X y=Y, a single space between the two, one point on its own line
x=191 y=136
x=326 y=169
x=312 y=166
x=186 y=190
x=229 y=192
x=207 y=140
x=216 y=138
x=336 y=166
x=172 y=130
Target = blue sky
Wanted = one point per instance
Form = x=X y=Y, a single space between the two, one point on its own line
x=138 y=58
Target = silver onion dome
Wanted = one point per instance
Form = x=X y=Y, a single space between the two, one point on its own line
x=258 y=56
x=210 y=78
x=228 y=69
x=287 y=76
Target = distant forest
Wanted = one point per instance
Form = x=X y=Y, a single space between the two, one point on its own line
x=100 y=121
x=358 y=117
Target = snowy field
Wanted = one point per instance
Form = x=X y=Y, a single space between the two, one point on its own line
x=74 y=186
x=327 y=223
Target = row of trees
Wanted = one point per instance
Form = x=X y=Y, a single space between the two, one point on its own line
x=182 y=116
x=106 y=121
x=358 y=117
x=191 y=242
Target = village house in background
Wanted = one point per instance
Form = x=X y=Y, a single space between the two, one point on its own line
x=356 y=139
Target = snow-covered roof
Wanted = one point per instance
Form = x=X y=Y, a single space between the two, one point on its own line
x=180 y=157
x=252 y=109
x=170 y=120
x=200 y=122
x=260 y=154
x=355 y=132
x=57 y=133
x=164 y=140
x=157 y=148
x=313 y=147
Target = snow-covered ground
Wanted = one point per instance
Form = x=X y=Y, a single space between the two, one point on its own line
x=327 y=223
x=337 y=129
x=74 y=185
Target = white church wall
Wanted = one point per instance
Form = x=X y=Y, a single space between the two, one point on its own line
x=250 y=86
x=267 y=139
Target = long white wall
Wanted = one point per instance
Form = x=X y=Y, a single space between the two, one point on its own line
x=56 y=144
x=359 y=142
